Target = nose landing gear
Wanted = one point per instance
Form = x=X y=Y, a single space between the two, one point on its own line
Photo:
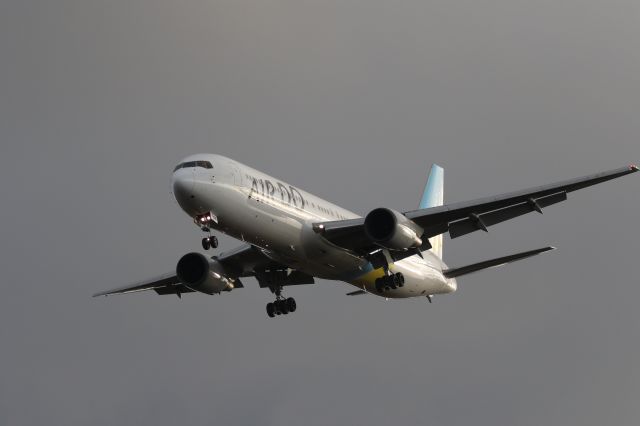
x=209 y=242
x=205 y=222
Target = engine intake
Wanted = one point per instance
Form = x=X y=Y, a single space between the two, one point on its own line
x=392 y=230
x=198 y=273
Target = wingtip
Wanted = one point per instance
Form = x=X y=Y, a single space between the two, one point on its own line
x=633 y=167
x=545 y=249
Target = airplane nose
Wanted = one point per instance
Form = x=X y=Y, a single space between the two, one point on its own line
x=183 y=188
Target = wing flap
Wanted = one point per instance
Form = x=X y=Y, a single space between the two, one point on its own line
x=245 y=259
x=482 y=221
x=285 y=279
x=173 y=289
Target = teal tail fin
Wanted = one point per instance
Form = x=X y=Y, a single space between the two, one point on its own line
x=433 y=197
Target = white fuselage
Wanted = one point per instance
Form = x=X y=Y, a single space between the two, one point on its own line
x=277 y=217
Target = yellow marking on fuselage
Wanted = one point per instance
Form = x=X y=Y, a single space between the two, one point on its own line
x=369 y=279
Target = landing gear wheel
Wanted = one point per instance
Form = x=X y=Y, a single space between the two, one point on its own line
x=400 y=279
x=210 y=242
x=382 y=284
x=290 y=303
x=283 y=307
x=271 y=310
x=206 y=244
x=276 y=280
x=393 y=281
x=385 y=283
x=213 y=241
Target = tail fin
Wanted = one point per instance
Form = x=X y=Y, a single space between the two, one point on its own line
x=434 y=196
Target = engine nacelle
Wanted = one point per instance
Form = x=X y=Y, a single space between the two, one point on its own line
x=392 y=230
x=201 y=274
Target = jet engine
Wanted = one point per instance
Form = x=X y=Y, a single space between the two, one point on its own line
x=201 y=274
x=392 y=230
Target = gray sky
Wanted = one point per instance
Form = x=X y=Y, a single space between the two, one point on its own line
x=351 y=100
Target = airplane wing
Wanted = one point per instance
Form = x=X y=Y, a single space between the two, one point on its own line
x=462 y=218
x=162 y=282
x=240 y=262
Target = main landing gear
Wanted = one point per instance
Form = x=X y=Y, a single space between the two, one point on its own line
x=281 y=306
x=210 y=242
x=390 y=282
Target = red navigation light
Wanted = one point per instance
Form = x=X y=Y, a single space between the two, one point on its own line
x=633 y=167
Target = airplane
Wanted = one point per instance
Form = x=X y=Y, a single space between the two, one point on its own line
x=292 y=237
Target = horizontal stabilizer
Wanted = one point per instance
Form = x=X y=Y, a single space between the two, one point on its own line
x=464 y=270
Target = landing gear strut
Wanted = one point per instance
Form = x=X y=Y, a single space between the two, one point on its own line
x=390 y=282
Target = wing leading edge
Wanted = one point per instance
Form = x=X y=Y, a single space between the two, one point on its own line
x=462 y=218
x=166 y=281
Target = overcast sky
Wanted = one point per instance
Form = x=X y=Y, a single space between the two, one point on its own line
x=351 y=100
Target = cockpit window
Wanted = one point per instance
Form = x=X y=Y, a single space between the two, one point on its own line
x=203 y=164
